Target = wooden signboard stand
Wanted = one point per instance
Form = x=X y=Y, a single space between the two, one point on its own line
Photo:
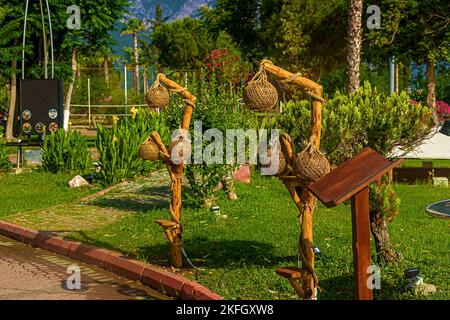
x=351 y=181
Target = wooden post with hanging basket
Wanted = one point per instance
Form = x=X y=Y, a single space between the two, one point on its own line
x=157 y=98
x=295 y=165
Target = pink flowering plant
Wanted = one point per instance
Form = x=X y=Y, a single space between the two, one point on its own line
x=227 y=66
x=443 y=110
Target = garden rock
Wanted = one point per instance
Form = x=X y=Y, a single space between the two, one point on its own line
x=424 y=289
x=78 y=181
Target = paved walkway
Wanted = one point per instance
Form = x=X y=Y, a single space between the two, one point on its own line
x=32 y=273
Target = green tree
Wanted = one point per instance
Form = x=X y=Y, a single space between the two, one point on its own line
x=9 y=51
x=133 y=27
x=254 y=25
x=312 y=36
x=182 y=44
x=414 y=31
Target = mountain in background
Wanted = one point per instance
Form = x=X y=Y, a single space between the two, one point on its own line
x=174 y=9
x=145 y=9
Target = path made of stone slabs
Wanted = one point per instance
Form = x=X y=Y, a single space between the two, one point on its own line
x=34 y=274
x=141 y=195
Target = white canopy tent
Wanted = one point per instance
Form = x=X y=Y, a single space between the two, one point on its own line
x=437 y=147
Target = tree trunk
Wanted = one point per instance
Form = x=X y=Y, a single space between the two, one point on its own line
x=431 y=85
x=144 y=75
x=12 y=101
x=136 y=64
x=106 y=71
x=380 y=234
x=396 y=78
x=354 y=38
x=68 y=98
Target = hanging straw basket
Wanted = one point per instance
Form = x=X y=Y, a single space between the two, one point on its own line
x=260 y=94
x=281 y=162
x=311 y=164
x=149 y=150
x=157 y=96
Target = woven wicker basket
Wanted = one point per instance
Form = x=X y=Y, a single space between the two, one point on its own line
x=311 y=164
x=149 y=150
x=281 y=162
x=260 y=94
x=157 y=96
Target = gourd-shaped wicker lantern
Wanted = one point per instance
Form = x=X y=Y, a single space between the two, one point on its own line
x=260 y=94
x=157 y=96
x=311 y=164
x=148 y=150
x=281 y=161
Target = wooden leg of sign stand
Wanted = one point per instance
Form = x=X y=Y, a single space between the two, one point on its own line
x=361 y=244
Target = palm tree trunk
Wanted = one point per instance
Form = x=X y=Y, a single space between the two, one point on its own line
x=354 y=38
x=68 y=98
x=136 y=63
x=12 y=101
x=431 y=85
x=144 y=75
x=396 y=89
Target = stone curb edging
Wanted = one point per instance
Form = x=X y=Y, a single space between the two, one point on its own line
x=152 y=276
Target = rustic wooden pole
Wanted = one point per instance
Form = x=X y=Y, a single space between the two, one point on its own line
x=361 y=243
x=306 y=201
x=173 y=228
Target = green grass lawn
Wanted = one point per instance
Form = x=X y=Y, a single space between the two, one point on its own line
x=417 y=163
x=237 y=255
x=36 y=190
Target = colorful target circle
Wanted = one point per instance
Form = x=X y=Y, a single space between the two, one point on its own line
x=40 y=127
x=53 y=127
x=52 y=113
x=26 y=127
x=26 y=115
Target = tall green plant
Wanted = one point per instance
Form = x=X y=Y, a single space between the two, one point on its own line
x=118 y=146
x=65 y=152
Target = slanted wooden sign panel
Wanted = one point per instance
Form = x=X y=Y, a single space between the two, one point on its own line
x=351 y=177
x=351 y=180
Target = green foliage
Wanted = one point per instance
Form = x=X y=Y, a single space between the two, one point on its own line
x=384 y=199
x=216 y=108
x=412 y=31
x=367 y=118
x=312 y=36
x=182 y=44
x=118 y=147
x=65 y=152
x=5 y=164
x=9 y=48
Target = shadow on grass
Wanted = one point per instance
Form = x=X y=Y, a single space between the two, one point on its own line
x=155 y=198
x=205 y=253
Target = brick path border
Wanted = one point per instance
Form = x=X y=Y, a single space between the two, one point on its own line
x=152 y=276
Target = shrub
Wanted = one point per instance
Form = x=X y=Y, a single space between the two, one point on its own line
x=5 y=164
x=216 y=108
x=367 y=118
x=118 y=146
x=65 y=152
